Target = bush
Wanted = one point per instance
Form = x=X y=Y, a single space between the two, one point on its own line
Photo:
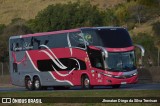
x=147 y=42
x=156 y=28
x=12 y=29
x=67 y=16
x=2 y=27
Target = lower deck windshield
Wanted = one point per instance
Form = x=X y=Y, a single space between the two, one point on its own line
x=121 y=62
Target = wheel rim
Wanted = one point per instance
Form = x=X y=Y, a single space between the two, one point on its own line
x=29 y=84
x=37 y=84
x=86 y=82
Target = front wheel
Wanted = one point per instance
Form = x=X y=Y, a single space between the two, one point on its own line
x=29 y=84
x=86 y=82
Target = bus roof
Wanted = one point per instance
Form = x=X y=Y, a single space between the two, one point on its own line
x=62 y=31
x=45 y=33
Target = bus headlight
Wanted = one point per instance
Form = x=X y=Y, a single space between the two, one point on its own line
x=108 y=75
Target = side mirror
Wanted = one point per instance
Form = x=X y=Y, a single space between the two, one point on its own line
x=104 y=51
x=104 y=55
x=141 y=48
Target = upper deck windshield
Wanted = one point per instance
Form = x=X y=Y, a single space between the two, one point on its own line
x=121 y=61
x=108 y=37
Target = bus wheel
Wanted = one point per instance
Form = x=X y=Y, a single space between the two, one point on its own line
x=85 y=82
x=29 y=84
x=116 y=86
x=37 y=83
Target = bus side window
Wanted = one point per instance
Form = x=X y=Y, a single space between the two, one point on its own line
x=76 y=40
x=35 y=43
x=57 y=41
x=17 y=45
x=46 y=42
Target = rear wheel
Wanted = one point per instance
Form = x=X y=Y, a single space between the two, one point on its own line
x=37 y=83
x=86 y=82
x=29 y=84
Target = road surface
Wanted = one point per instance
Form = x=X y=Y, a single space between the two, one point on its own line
x=123 y=87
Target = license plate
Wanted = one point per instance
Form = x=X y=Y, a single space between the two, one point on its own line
x=123 y=82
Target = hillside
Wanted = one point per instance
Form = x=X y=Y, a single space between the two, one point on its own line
x=145 y=27
x=28 y=9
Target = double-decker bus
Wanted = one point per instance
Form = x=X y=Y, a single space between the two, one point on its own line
x=87 y=57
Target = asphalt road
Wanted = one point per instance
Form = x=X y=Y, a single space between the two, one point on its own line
x=123 y=87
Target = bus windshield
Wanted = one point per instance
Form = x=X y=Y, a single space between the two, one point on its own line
x=107 y=37
x=121 y=61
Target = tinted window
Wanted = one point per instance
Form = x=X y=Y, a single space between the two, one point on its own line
x=91 y=37
x=16 y=44
x=52 y=41
x=107 y=37
x=28 y=43
x=46 y=65
x=57 y=41
x=76 y=40
x=33 y=43
x=115 y=38
x=95 y=57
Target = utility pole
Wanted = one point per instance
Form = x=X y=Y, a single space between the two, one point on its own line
x=2 y=68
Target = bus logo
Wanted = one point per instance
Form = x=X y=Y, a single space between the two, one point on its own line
x=6 y=100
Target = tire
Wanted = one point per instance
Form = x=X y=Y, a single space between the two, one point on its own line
x=37 y=83
x=29 y=84
x=86 y=82
x=116 y=86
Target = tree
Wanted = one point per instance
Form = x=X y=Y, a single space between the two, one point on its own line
x=148 y=2
x=122 y=14
x=2 y=27
x=66 y=16
x=110 y=18
x=155 y=28
x=148 y=42
x=14 y=28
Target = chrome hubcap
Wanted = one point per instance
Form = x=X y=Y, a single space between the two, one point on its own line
x=86 y=82
x=37 y=84
x=29 y=84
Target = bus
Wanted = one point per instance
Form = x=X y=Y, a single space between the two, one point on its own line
x=86 y=57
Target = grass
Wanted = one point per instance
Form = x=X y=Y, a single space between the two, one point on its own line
x=86 y=93
x=28 y=9
x=84 y=104
x=5 y=79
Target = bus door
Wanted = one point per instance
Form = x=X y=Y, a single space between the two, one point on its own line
x=97 y=63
